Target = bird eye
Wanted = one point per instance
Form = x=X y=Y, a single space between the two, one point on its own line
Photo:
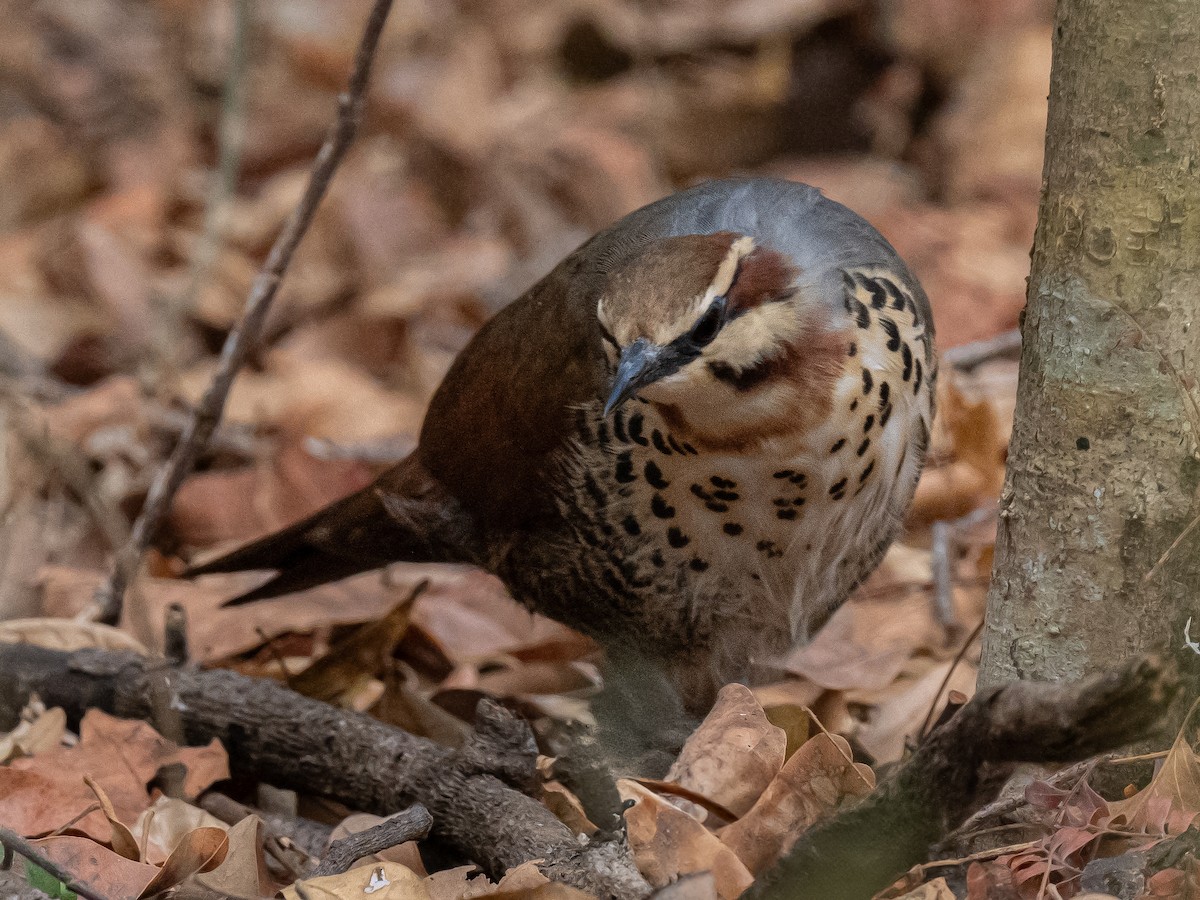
x=709 y=324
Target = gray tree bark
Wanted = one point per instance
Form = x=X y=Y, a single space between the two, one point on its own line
x=1103 y=468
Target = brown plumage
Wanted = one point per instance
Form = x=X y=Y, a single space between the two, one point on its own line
x=691 y=439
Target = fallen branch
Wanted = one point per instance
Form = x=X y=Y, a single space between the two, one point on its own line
x=411 y=825
x=273 y=734
x=244 y=336
x=866 y=847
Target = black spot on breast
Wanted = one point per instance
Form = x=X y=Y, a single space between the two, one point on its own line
x=868 y=422
x=602 y=433
x=784 y=473
x=917 y=380
x=862 y=316
x=677 y=538
x=631 y=526
x=854 y=404
x=733 y=529
x=770 y=548
x=727 y=496
x=868 y=381
x=614 y=581
x=885 y=393
x=840 y=494
x=894 y=294
x=788 y=513
x=885 y=415
x=701 y=492
x=878 y=294
x=852 y=350
x=624 y=471
x=838 y=486
x=675 y=445
x=630 y=570
x=892 y=332
x=636 y=423
x=619 y=427
x=690 y=449
x=720 y=482
x=654 y=475
x=866 y=473
x=862 y=448
x=798 y=501
x=907 y=357
x=782 y=501
x=799 y=479
x=657 y=559
x=661 y=507
x=837 y=445
x=697 y=564
x=659 y=444
x=717 y=507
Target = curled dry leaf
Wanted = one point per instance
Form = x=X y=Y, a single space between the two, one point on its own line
x=734 y=754
x=667 y=843
x=1171 y=800
x=814 y=782
x=43 y=732
x=243 y=871
x=42 y=793
x=68 y=635
x=379 y=881
x=161 y=827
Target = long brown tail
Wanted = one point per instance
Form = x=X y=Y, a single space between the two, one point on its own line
x=403 y=516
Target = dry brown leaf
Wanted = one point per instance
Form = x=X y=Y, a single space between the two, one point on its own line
x=107 y=873
x=818 y=777
x=68 y=635
x=734 y=754
x=242 y=504
x=1176 y=784
x=452 y=884
x=43 y=732
x=216 y=632
x=163 y=825
x=667 y=843
x=567 y=808
x=243 y=871
x=42 y=793
x=899 y=709
x=379 y=881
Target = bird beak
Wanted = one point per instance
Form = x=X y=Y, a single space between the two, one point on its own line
x=640 y=364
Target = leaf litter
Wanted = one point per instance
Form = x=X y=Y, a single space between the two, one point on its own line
x=500 y=136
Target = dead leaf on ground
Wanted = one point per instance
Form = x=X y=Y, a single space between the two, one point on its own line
x=68 y=635
x=37 y=732
x=243 y=872
x=667 y=843
x=42 y=793
x=813 y=783
x=379 y=881
x=734 y=754
x=930 y=890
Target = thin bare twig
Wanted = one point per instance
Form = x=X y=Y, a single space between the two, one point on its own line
x=231 y=138
x=410 y=825
x=244 y=336
x=17 y=844
x=973 y=355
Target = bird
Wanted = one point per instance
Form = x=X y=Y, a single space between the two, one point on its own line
x=690 y=440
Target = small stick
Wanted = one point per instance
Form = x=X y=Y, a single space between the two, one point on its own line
x=17 y=844
x=412 y=824
x=973 y=355
x=111 y=595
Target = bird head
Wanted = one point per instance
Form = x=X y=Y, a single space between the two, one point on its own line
x=715 y=331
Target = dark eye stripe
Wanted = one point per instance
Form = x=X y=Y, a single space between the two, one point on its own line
x=607 y=335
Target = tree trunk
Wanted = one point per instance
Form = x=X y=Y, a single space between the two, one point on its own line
x=1103 y=468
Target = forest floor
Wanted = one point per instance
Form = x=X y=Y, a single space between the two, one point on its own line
x=140 y=197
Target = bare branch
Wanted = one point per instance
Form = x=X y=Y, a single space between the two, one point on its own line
x=245 y=334
x=410 y=825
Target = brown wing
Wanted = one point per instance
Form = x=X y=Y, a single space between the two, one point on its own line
x=510 y=399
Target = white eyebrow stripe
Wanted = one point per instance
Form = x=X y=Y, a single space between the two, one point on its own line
x=726 y=271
